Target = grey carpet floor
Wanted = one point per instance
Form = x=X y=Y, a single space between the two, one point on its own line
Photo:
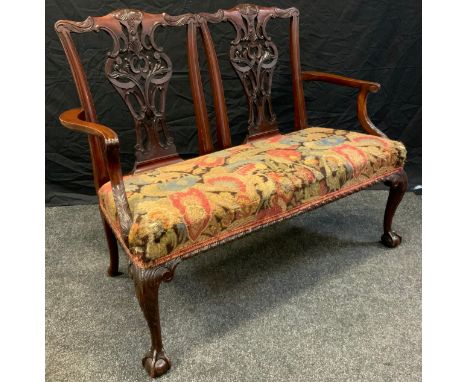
x=314 y=298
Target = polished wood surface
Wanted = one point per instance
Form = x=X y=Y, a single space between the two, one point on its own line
x=223 y=133
x=147 y=282
x=74 y=120
x=300 y=112
x=340 y=80
x=205 y=144
x=143 y=88
x=254 y=56
x=140 y=72
x=398 y=184
x=364 y=86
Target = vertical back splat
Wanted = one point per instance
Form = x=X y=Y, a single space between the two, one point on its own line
x=140 y=71
x=254 y=56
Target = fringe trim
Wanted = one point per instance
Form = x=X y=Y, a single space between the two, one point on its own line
x=196 y=248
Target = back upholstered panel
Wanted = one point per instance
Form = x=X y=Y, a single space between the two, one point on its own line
x=254 y=55
x=140 y=71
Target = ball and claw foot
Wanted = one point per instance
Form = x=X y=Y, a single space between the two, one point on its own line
x=156 y=364
x=391 y=239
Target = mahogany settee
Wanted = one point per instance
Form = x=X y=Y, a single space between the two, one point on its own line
x=168 y=209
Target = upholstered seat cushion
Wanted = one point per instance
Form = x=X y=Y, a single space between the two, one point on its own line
x=191 y=205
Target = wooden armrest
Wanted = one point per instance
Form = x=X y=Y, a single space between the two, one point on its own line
x=364 y=86
x=340 y=80
x=74 y=119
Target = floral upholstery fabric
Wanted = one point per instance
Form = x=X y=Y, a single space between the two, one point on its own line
x=202 y=198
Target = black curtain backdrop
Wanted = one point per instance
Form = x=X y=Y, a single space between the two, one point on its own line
x=367 y=39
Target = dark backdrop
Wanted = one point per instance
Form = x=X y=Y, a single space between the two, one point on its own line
x=373 y=40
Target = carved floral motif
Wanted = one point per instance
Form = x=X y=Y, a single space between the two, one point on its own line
x=254 y=57
x=140 y=73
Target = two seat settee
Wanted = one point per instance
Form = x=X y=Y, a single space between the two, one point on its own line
x=168 y=209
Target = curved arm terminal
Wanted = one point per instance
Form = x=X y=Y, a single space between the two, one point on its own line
x=73 y=119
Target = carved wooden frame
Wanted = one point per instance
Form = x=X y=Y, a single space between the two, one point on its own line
x=139 y=70
x=364 y=88
x=253 y=56
x=147 y=282
x=139 y=58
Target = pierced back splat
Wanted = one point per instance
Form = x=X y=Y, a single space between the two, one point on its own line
x=254 y=56
x=140 y=71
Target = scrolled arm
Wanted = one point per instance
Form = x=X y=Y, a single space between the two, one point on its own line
x=364 y=88
x=74 y=119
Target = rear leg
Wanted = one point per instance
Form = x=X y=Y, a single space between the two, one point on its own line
x=398 y=184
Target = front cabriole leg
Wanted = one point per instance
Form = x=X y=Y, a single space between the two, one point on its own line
x=147 y=283
x=398 y=184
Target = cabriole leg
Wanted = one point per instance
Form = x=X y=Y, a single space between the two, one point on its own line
x=113 y=269
x=147 y=283
x=398 y=184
